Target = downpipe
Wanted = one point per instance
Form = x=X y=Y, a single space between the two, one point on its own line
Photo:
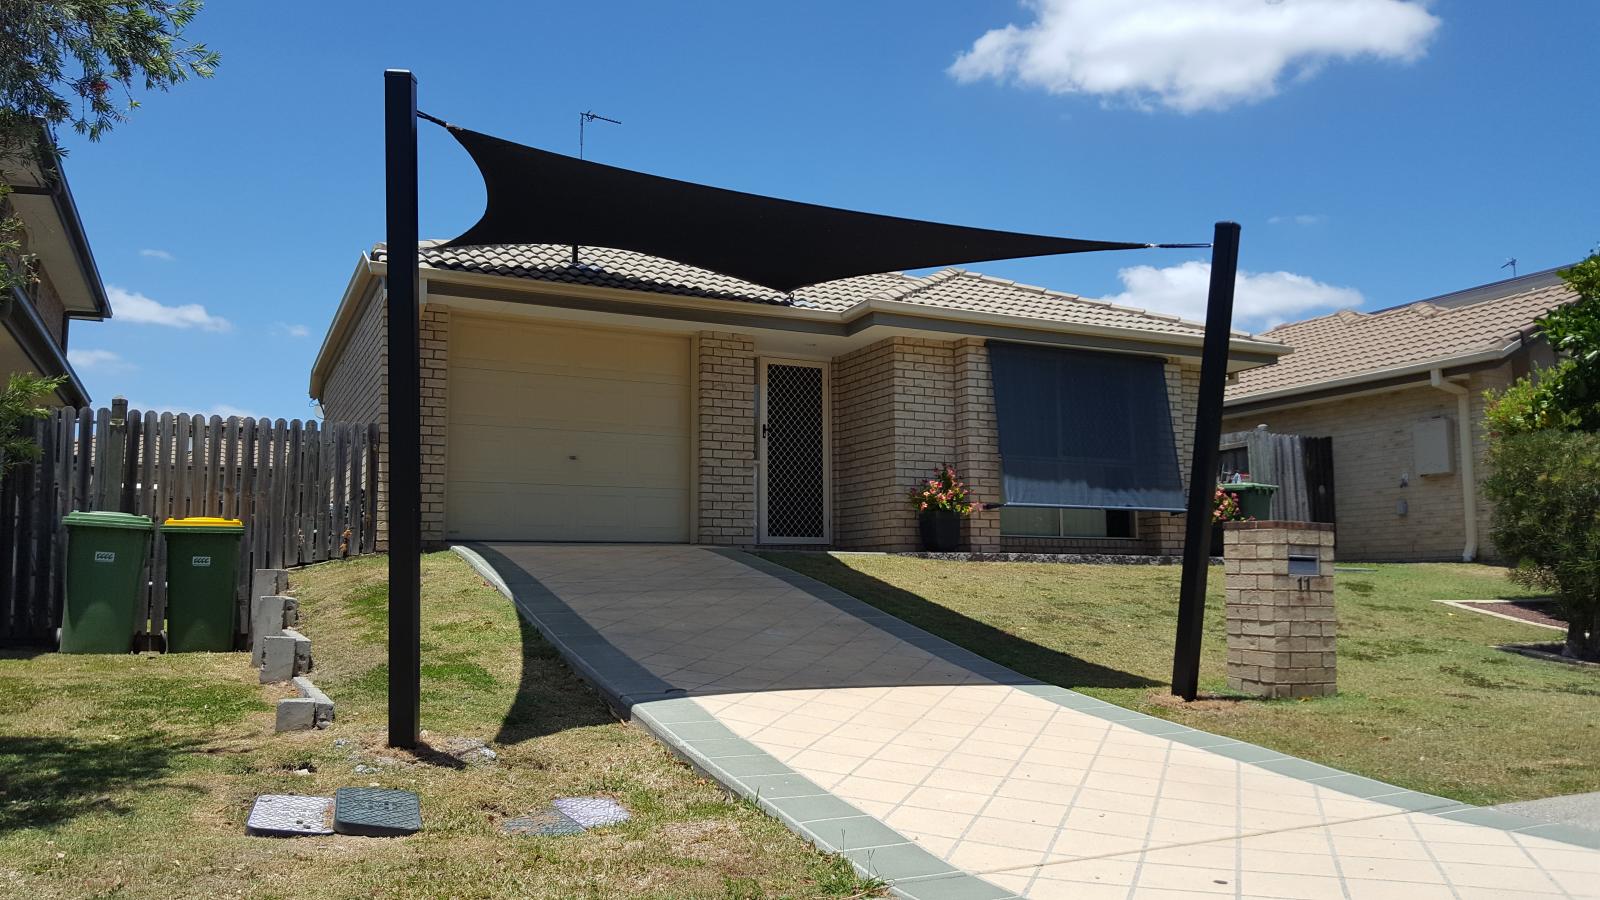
x=1469 y=481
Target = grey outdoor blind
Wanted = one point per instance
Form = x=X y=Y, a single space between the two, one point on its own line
x=1084 y=429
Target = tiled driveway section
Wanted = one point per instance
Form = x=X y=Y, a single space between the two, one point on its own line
x=842 y=721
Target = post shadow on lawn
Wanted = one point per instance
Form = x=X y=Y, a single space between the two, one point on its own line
x=46 y=781
x=550 y=698
x=1018 y=654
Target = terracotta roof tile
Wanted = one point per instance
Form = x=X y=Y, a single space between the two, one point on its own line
x=954 y=289
x=1347 y=344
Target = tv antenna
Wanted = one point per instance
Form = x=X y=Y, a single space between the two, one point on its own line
x=584 y=118
x=1510 y=264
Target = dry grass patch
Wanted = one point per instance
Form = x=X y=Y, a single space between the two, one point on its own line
x=131 y=776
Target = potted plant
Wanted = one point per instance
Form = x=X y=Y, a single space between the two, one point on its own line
x=941 y=502
x=1224 y=508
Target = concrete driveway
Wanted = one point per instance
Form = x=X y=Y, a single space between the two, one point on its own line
x=953 y=778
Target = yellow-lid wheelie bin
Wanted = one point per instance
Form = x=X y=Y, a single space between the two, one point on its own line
x=202 y=575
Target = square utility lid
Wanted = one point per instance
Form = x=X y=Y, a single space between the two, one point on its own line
x=376 y=812
x=283 y=815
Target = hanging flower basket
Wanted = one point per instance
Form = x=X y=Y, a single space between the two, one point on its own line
x=941 y=502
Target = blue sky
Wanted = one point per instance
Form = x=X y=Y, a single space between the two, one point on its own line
x=1375 y=151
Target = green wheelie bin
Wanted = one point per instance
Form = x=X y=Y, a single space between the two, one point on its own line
x=106 y=553
x=1255 y=500
x=202 y=571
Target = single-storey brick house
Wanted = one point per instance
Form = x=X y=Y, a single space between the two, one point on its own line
x=1401 y=393
x=607 y=395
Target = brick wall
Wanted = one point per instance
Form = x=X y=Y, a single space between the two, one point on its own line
x=1281 y=627
x=1372 y=449
x=725 y=388
x=52 y=311
x=356 y=389
x=434 y=343
x=901 y=408
x=977 y=441
x=863 y=445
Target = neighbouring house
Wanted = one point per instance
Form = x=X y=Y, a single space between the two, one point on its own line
x=607 y=395
x=66 y=284
x=1400 y=394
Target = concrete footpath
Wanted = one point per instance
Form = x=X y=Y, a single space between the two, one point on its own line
x=953 y=778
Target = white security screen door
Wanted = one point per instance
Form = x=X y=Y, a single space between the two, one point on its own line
x=794 y=490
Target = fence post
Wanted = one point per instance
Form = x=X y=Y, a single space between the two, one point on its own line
x=114 y=458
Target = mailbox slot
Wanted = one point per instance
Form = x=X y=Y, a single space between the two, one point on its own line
x=1305 y=560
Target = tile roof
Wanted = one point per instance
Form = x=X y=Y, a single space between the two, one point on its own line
x=1348 y=344
x=953 y=289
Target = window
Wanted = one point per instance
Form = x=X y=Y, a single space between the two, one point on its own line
x=1084 y=429
x=1035 y=521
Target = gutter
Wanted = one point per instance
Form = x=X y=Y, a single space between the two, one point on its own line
x=23 y=321
x=1469 y=481
x=1421 y=370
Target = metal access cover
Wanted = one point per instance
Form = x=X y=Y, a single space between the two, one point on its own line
x=376 y=812
x=548 y=822
x=592 y=812
x=290 y=814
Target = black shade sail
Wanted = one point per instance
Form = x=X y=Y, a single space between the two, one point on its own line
x=1084 y=429
x=538 y=197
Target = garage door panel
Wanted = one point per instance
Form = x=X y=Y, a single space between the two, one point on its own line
x=478 y=454
x=566 y=434
x=552 y=401
x=566 y=513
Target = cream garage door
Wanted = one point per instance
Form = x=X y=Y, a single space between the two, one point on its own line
x=566 y=434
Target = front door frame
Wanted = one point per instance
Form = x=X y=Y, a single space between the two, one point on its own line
x=762 y=364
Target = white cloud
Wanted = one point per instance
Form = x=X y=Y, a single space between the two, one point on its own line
x=109 y=362
x=1191 y=55
x=162 y=255
x=1301 y=219
x=131 y=306
x=294 y=331
x=1261 y=299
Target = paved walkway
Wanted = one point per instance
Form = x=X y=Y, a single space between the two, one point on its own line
x=953 y=778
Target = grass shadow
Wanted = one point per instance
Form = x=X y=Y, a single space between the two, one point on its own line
x=1018 y=654
x=45 y=781
x=550 y=697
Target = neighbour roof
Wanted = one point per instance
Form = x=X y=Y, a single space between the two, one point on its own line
x=1347 y=345
x=953 y=289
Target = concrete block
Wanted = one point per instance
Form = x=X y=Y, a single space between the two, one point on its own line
x=295 y=714
x=266 y=619
x=302 y=651
x=277 y=658
x=323 y=705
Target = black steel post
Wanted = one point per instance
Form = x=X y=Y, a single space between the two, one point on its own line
x=1203 y=471
x=404 y=478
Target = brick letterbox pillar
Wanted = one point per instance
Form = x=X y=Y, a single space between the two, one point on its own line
x=1281 y=621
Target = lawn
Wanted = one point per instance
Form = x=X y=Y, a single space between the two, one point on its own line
x=1425 y=700
x=132 y=775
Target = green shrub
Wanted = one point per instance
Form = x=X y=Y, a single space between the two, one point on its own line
x=1545 y=486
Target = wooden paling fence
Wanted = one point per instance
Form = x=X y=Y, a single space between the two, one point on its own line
x=1301 y=467
x=304 y=493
